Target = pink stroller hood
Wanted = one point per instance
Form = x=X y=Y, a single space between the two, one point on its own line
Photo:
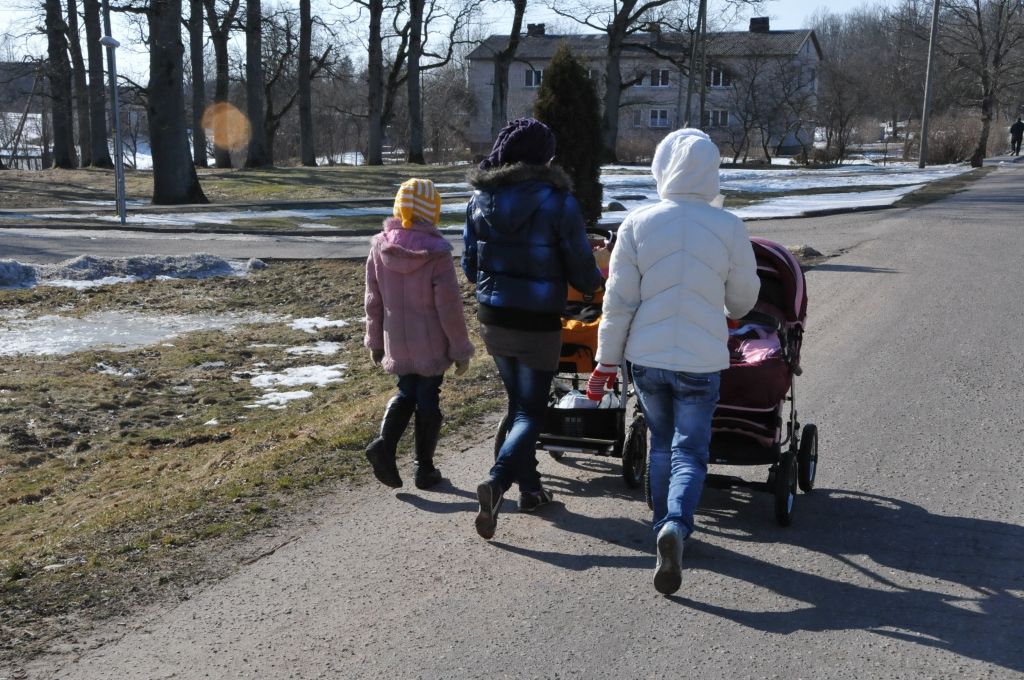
x=783 y=287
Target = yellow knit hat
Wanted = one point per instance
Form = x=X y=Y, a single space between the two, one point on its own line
x=417 y=200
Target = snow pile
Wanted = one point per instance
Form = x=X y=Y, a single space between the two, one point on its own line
x=322 y=348
x=16 y=275
x=86 y=271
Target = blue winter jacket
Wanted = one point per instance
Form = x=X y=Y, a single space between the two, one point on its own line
x=524 y=240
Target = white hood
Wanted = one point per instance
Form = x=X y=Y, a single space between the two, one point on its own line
x=685 y=166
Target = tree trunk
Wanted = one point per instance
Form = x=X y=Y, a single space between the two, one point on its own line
x=612 y=97
x=174 y=175
x=502 y=62
x=375 y=87
x=258 y=156
x=981 y=150
x=306 y=151
x=59 y=73
x=195 y=45
x=100 y=151
x=415 y=151
x=220 y=34
x=78 y=81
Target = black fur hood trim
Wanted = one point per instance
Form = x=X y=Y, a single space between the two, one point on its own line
x=519 y=172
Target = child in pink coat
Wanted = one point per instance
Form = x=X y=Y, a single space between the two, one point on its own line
x=415 y=327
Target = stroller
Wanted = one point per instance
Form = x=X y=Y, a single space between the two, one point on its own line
x=572 y=423
x=752 y=424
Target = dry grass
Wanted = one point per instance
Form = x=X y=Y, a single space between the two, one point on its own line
x=112 y=487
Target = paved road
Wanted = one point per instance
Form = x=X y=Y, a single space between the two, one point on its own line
x=905 y=562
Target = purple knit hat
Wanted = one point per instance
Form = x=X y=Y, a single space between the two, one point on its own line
x=523 y=140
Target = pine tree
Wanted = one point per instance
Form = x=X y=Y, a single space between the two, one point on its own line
x=567 y=101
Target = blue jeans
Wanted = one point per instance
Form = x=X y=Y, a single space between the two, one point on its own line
x=422 y=390
x=527 y=390
x=678 y=407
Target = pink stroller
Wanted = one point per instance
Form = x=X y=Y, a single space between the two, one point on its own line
x=752 y=424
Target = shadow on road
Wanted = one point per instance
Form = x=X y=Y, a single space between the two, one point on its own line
x=828 y=267
x=952 y=583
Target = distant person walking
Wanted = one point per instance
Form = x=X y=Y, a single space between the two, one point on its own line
x=674 y=268
x=1016 y=134
x=524 y=241
x=415 y=327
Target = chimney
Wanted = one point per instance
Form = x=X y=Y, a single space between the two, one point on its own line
x=759 y=24
x=534 y=29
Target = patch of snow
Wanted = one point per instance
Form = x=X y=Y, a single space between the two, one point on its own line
x=279 y=400
x=210 y=365
x=259 y=345
x=316 y=323
x=322 y=348
x=301 y=375
x=795 y=206
x=211 y=422
x=16 y=275
x=121 y=373
x=114 y=330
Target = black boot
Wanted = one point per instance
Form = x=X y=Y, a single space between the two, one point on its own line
x=428 y=429
x=382 y=450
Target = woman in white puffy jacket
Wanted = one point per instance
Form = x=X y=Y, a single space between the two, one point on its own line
x=677 y=269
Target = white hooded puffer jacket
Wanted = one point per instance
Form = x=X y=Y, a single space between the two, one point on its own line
x=674 y=267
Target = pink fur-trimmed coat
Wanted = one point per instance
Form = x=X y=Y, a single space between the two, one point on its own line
x=413 y=301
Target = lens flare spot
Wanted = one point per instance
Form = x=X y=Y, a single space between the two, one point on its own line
x=231 y=129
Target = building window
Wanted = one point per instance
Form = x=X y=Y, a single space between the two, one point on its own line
x=534 y=77
x=716 y=118
x=659 y=118
x=594 y=74
x=659 y=77
x=638 y=118
x=717 y=77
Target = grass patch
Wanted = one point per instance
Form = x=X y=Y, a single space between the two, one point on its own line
x=56 y=187
x=110 y=484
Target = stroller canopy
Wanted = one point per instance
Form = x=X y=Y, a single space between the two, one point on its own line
x=783 y=288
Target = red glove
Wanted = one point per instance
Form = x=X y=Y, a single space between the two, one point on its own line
x=601 y=380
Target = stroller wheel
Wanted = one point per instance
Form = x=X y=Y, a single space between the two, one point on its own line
x=807 y=458
x=634 y=453
x=784 y=484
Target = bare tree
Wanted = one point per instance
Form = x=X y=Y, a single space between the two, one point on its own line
x=307 y=154
x=621 y=20
x=415 y=146
x=195 y=44
x=174 y=175
x=282 y=86
x=99 y=151
x=258 y=155
x=502 y=61
x=220 y=19
x=59 y=73
x=78 y=82
x=984 y=38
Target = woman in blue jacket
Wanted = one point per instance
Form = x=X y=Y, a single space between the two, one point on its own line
x=524 y=242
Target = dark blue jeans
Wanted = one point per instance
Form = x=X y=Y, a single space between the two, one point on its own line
x=422 y=390
x=527 y=390
x=678 y=407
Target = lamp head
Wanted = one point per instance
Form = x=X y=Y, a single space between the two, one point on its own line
x=108 y=41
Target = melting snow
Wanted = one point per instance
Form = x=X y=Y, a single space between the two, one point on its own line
x=278 y=400
x=322 y=348
x=115 y=330
x=301 y=375
x=315 y=323
x=86 y=271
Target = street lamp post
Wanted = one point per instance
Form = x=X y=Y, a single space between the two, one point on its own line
x=925 y=109
x=111 y=44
